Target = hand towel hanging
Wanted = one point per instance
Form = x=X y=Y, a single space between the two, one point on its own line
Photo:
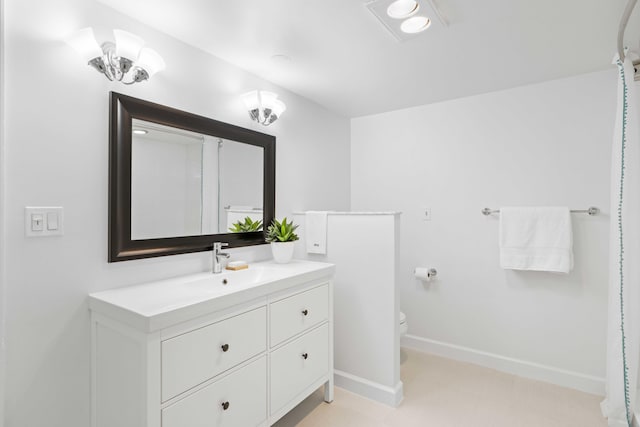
x=536 y=238
x=315 y=228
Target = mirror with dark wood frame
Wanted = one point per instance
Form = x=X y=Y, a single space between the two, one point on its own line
x=179 y=182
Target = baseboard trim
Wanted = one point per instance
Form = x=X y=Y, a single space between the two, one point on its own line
x=391 y=396
x=523 y=368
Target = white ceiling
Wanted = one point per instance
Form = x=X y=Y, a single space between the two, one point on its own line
x=345 y=60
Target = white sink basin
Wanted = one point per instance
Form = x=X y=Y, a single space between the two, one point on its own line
x=232 y=280
x=156 y=305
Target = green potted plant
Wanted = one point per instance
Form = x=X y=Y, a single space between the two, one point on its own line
x=246 y=226
x=281 y=235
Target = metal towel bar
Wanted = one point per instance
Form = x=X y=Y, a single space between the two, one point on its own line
x=591 y=211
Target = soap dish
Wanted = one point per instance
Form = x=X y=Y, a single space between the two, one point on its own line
x=237 y=265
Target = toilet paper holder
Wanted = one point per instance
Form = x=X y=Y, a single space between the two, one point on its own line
x=425 y=273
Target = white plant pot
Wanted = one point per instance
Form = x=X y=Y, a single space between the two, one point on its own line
x=282 y=251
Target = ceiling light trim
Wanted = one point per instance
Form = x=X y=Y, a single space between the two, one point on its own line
x=415 y=24
x=427 y=8
x=403 y=9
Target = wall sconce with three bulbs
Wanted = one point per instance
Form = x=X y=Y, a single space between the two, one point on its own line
x=264 y=107
x=129 y=62
x=126 y=60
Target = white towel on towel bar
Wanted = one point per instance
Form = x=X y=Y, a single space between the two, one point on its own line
x=536 y=238
x=315 y=227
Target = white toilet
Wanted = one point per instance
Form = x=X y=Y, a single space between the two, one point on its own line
x=403 y=324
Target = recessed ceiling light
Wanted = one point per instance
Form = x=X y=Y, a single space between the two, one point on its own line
x=415 y=24
x=401 y=9
x=140 y=131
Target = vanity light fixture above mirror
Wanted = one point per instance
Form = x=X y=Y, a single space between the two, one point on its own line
x=264 y=107
x=127 y=60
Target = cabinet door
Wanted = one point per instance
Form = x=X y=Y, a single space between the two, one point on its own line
x=297 y=365
x=237 y=400
x=297 y=313
x=193 y=358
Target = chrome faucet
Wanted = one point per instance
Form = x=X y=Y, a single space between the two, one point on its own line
x=217 y=265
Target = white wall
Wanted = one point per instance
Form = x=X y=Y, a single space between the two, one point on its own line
x=366 y=301
x=57 y=155
x=166 y=188
x=546 y=144
x=2 y=216
x=236 y=159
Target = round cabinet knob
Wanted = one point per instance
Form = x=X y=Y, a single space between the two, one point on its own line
x=225 y=406
x=305 y=312
x=305 y=356
x=225 y=347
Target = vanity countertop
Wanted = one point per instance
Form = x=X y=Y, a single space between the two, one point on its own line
x=156 y=305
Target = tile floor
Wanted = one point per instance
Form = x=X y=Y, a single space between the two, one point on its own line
x=439 y=392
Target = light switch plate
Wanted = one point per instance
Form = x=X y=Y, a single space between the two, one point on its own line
x=52 y=221
x=43 y=221
x=426 y=214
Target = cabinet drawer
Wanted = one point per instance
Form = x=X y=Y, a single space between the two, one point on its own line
x=245 y=392
x=297 y=313
x=292 y=372
x=194 y=357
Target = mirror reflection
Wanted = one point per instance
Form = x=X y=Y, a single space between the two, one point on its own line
x=185 y=183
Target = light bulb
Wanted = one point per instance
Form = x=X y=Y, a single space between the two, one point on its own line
x=251 y=100
x=127 y=45
x=278 y=108
x=267 y=99
x=150 y=61
x=415 y=24
x=401 y=9
x=84 y=42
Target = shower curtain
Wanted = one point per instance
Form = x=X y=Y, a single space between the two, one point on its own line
x=624 y=257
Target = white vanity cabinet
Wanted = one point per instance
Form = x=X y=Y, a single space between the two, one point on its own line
x=196 y=352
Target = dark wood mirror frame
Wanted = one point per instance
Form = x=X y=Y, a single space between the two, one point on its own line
x=125 y=108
